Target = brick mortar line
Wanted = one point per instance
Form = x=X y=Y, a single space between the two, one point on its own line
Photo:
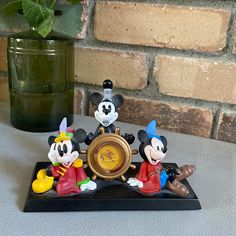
x=85 y=107
x=224 y=56
x=92 y=42
x=187 y=3
x=3 y=74
x=150 y=64
x=230 y=34
x=91 y=11
x=215 y=124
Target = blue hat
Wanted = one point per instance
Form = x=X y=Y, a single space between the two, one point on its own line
x=151 y=130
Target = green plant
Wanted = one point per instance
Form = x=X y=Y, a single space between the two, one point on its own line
x=38 y=13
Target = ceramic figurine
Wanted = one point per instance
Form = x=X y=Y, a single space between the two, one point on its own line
x=66 y=172
x=109 y=153
x=152 y=177
x=106 y=112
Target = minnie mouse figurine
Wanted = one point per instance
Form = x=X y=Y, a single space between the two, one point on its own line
x=152 y=176
x=66 y=172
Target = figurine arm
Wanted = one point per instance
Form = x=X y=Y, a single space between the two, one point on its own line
x=129 y=138
x=140 y=178
x=52 y=154
x=142 y=174
x=90 y=137
x=135 y=182
x=83 y=181
x=171 y=171
x=90 y=185
x=55 y=171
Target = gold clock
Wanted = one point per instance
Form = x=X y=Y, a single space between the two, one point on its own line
x=109 y=156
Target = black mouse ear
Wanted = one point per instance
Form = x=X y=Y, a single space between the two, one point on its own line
x=142 y=135
x=51 y=140
x=96 y=98
x=164 y=140
x=79 y=135
x=118 y=100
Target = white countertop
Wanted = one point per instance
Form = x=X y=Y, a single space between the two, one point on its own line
x=214 y=182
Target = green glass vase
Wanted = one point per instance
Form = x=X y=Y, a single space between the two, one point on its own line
x=41 y=80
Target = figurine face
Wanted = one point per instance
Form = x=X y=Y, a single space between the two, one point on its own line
x=106 y=104
x=63 y=153
x=106 y=113
x=155 y=151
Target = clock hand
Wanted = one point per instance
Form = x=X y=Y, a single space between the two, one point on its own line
x=111 y=158
x=108 y=156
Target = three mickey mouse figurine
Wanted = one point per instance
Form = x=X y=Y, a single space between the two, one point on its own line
x=66 y=173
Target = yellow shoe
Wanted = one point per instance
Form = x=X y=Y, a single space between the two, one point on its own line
x=43 y=183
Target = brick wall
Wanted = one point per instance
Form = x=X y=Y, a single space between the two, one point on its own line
x=172 y=62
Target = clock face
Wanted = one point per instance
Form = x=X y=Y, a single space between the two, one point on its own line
x=109 y=156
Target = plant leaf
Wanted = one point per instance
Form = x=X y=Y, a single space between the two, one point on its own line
x=45 y=28
x=12 y=7
x=36 y=13
x=73 y=1
x=42 y=2
x=52 y=4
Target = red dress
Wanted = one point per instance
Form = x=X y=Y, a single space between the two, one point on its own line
x=150 y=176
x=69 y=179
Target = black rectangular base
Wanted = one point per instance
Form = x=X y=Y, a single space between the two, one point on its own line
x=110 y=195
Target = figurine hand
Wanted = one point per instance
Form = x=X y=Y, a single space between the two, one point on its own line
x=171 y=171
x=129 y=138
x=90 y=186
x=135 y=182
x=52 y=155
x=89 y=138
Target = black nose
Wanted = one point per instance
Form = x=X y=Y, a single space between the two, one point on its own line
x=106 y=111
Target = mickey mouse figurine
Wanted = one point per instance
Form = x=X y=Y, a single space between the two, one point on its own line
x=106 y=112
x=66 y=172
x=152 y=176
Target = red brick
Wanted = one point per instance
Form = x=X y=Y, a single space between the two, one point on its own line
x=170 y=116
x=201 y=29
x=196 y=78
x=227 y=127
x=3 y=54
x=4 y=91
x=126 y=69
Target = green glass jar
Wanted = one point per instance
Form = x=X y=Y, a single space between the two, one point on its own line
x=41 y=80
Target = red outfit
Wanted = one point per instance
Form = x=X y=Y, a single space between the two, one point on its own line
x=150 y=176
x=69 y=179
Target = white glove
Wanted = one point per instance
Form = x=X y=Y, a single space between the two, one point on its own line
x=135 y=182
x=52 y=155
x=90 y=186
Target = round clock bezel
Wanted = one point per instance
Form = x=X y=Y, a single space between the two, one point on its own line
x=101 y=141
